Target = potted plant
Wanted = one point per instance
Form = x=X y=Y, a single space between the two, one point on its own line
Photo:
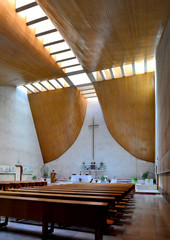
x=145 y=175
x=80 y=179
x=45 y=176
x=134 y=180
x=84 y=166
x=34 y=178
x=102 y=178
x=69 y=178
x=109 y=180
x=101 y=164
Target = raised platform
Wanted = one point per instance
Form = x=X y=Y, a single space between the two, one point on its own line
x=148 y=189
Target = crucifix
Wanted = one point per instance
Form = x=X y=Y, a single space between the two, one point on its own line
x=93 y=126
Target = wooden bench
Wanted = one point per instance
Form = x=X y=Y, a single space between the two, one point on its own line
x=20 y=193
x=4 y=185
x=75 y=213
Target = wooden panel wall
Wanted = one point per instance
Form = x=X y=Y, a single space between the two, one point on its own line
x=103 y=33
x=163 y=112
x=23 y=58
x=58 y=117
x=164 y=185
x=128 y=106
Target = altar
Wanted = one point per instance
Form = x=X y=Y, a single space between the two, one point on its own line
x=81 y=178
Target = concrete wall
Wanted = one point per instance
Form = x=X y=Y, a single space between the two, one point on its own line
x=18 y=139
x=163 y=111
x=119 y=163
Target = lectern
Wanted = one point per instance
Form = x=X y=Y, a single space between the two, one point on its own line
x=18 y=174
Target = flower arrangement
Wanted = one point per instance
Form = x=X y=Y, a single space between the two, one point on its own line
x=109 y=180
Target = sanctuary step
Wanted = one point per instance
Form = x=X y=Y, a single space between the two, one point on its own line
x=146 y=189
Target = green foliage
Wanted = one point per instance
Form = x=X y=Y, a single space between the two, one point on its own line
x=45 y=175
x=102 y=178
x=101 y=164
x=69 y=177
x=135 y=180
x=34 y=178
x=145 y=175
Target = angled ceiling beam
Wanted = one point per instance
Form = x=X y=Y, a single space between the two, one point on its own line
x=55 y=42
x=65 y=50
x=25 y=7
x=122 y=70
x=37 y=20
x=76 y=72
x=145 y=65
x=91 y=77
x=133 y=68
x=68 y=81
x=46 y=32
x=51 y=84
x=32 y=84
x=23 y=57
x=43 y=86
x=111 y=73
x=73 y=65
x=102 y=75
x=84 y=85
x=89 y=93
x=65 y=59
x=28 y=89
x=91 y=96
x=86 y=89
x=59 y=83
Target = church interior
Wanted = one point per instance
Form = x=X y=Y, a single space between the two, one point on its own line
x=85 y=119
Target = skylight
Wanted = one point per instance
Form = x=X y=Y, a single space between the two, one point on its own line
x=128 y=70
x=20 y=3
x=42 y=26
x=51 y=37
x=46 y=32
x=79 y=79
x=58 y=47
x=22 y=88
x=73 y=69
x=29 y=87
x=107 y=74
x=151 y=65
x=37 y=85
x=64 y=55
x=55 y=83
x=117 y=72
x=139 y=67
x=97 y=76
x=32 y=13
x=69 y=62
x=90 y=95
x=63 y=82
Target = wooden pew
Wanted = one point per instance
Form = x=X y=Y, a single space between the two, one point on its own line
x=4 y=185
x=20 y=193
x=117 y=196
x=69 y=212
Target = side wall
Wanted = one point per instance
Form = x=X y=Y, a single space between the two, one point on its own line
x=163 y=112
x=119 y=163
x=18 y=139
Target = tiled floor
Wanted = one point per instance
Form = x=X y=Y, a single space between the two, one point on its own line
x=148 y=218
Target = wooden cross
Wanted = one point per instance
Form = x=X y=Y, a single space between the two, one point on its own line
x=93 y=126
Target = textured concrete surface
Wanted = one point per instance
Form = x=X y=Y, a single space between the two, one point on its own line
x=18 y=139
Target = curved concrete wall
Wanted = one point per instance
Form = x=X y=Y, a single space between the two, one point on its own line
x=119 y=163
